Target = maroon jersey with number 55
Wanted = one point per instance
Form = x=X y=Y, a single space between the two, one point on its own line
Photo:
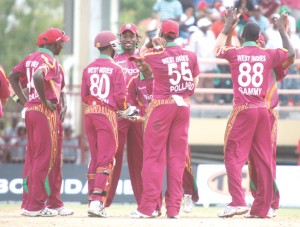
x=172 y=75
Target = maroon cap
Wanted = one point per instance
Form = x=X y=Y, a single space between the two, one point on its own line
x=129 y=27
x=135 y=57
x=53 y=35
x=104 y=39
x=40 y=40
x=169 y=26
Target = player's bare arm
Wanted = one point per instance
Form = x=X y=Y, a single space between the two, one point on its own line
x=14 y=79
x=231 y=19
x=63 y=106
x=281 y=25
x=38 y=80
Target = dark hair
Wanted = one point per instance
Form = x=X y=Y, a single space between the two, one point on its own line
x=103 y=48
x=251 y=31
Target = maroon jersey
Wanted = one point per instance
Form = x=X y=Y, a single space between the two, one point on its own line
x=272 y=97
x=174 y=69
x=4 y=85
x=251 y=68
x=129 y=67
x=103 y=83
x=42 y=59
x=140 y=91
x=4 y=90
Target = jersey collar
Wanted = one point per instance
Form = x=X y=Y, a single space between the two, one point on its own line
x=249 y=43
x=105 y=56
x=45 y=50
x=142 y=77
x=171 y=44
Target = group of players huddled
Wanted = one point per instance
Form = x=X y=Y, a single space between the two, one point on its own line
x=141 y=96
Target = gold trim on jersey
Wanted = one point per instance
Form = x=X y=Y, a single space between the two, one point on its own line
x=4 y=74
x=274 y=127
x=236 y=110
x=269 y=95
x=52 y=122
x=157 y=102
x=109 y=113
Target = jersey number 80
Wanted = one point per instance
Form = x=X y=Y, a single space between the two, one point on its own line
x=100 y=85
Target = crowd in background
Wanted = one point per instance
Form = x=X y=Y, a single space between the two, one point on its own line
x=13 y=142
x=200 y=22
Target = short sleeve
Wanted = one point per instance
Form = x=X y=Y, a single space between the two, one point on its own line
x=225 y=52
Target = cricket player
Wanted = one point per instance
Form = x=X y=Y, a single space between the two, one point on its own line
x=42 y=167
x=103 y=90
x=4 y=89
x=250 y=67
x=175 y=73
x=128 y=131
x=272 y=99
x=140 y=94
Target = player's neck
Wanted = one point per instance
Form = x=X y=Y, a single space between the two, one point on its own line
x=129 y=52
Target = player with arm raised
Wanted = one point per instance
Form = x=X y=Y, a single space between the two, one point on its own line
x=272 y=99
x=250 y=69
x=175 y=73
x=103 y=90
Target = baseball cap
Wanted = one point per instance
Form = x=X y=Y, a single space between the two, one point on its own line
x=204 y=22
x=202 y=5
x=53 y=35
x=104 y=38
x=284 y=8
x=135 y=57
x=169 y=26
x=129 y=27
x=40 y=40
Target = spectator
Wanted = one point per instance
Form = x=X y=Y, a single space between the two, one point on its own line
x=70 y=146
x=260 y=19
x=272 y=35
x=202 y=10
x=2 y=143
x=294 y=6
x=202 y=43
x=269 y=7
x=245 y=8
x=292 y=20
x=18 y=144
x=167 y=10
x=186 y=4
x=10 y=131
x=187 y=20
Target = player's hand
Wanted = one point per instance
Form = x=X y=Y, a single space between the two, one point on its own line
x=131 y=111
x=283 y=22
x=136 y=119
x=63 y=114
x=50 y=105
x=231 y=19
x=158 y=43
